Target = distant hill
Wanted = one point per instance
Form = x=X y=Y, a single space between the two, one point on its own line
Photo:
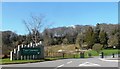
x=11 y=39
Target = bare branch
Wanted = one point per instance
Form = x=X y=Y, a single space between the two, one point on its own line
x=34 y=25
x=26 y=26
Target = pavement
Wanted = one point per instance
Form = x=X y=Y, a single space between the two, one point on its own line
x=111 y=59
x=86 y=62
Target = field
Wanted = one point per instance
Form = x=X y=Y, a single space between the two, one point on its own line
x=71 y=49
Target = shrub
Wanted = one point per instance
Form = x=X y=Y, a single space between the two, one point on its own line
x=5 y=56
x=97 y=47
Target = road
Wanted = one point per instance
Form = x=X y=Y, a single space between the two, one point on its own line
x=87 y=62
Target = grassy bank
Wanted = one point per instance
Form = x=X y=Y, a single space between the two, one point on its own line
x=71 y=47
x=106 y=52
x=8 y=61
x=110 y=51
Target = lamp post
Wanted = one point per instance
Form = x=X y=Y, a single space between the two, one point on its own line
x=113 y=55
x=114 y=47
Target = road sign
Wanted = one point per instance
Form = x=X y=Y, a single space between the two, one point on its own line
x=30 y=51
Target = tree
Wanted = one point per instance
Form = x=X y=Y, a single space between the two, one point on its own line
x=118 y=35
x=113 y=41
x=89 y=37
x=97 y=47
x=9 y=39
x=65 y=41
x=80 y=40
x=96 y=33
x=103 y=38
x=34 y=26
x=118 y=40
x=48 y=37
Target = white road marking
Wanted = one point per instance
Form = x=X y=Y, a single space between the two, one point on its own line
x=63 y=64
x=89 y=64
x=60 y=65
x=69 y=62
x=109 y=60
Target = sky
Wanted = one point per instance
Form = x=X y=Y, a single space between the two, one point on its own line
x=58 y=14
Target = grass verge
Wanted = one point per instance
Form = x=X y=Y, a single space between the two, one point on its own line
x=8 y=61
x=106 y=52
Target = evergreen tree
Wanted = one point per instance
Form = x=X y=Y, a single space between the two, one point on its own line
x=103 y=38
x=96 y=33
x=89 y=37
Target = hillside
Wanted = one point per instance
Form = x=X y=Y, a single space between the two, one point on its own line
x=58 y=36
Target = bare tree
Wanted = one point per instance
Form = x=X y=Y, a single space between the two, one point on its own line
x=34 y=26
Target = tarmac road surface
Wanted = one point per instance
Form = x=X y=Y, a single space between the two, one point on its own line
x=69 y=63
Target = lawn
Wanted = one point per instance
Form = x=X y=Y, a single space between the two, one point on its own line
x=8 y=61
x=110 y=51
x=106 y=52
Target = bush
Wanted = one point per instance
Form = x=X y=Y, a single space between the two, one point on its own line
x=5 y=56
x=97 y=47
x=65 y=41
x=50 y=59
